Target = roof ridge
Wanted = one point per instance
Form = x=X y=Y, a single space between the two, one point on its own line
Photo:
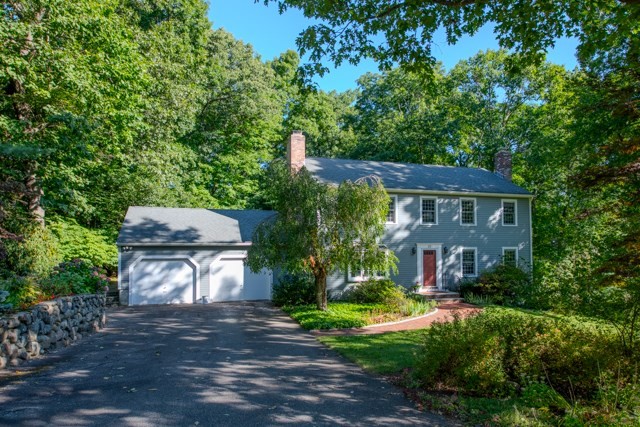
x=386 y=162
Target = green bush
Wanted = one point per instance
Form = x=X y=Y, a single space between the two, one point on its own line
x=500 y=350
x=23 y=292
x=294 y=289
x=96 y=246
x=503 y=283
x=376 y=291
x=34 y=255
x=458 y=354
x=75 y=277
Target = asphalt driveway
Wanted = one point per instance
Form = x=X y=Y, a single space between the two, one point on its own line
x=244 y=364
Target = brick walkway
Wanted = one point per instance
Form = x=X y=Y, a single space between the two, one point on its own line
x=445 y=313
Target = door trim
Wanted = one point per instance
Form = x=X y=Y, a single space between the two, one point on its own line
x=429 y=246
x=192 y=262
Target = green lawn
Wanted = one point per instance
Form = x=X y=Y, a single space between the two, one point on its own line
x=394 y=353
x=387 y=353
x=341 y=315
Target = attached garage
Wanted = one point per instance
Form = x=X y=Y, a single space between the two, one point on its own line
x=183 y=256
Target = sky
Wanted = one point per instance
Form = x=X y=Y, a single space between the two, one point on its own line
x=270 y=34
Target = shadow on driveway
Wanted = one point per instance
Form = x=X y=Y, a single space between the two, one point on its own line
x=240 y=364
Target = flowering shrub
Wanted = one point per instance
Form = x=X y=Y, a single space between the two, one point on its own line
x=75 y=277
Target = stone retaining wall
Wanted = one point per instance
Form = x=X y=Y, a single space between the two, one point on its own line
x=49 y=325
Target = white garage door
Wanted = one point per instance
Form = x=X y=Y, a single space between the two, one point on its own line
x=163 y=281
x=232 y=281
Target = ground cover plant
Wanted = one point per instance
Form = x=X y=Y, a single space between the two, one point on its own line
x=509 y=367
x=367 y=303
x=67 y=278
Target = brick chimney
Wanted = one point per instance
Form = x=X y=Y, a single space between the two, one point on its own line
x=296 y=151
x=502 y=164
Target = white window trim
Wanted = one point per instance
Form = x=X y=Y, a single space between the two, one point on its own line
x=361 y=277
x=430 y=246
x=510 y=248
x=435 y=198
x=475 y=211
x=515 y=212
x=475 y=262
x=395 y=213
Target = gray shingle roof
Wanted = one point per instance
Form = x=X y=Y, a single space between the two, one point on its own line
x=151 y=225
x=407 y=176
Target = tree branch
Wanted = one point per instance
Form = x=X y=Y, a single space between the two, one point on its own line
x=409 y=3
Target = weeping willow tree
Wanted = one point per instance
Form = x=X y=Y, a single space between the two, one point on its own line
x=321 y=228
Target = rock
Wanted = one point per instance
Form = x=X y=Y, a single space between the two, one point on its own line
x=3 y=362
x=24 y=317
x=33 y=348
x=13 y=323
x=12 y=336
x=22 y=354
x=15 y=362
x=5 y=348
x=45 y=342
x=32 y=336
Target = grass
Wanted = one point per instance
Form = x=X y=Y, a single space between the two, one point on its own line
x=394 y=354
x=341 y=315
x=385 y=354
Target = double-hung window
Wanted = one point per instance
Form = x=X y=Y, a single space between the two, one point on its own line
x=429 y=210
x=510 y=256
x=467 y=211
x=392 y=215
x=469 y=261
x=509 y=212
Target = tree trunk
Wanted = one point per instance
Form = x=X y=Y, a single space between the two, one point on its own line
x=321 y=289
x=34 y=194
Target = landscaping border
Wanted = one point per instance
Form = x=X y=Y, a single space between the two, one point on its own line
x=48 y=325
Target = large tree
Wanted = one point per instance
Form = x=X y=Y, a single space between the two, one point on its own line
x=321 y=228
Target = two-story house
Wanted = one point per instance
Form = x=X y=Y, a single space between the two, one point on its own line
x=444 y=224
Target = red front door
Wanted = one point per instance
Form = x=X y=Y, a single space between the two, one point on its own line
x=429 y=268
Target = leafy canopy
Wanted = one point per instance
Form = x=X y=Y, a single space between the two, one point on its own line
x=320 y=228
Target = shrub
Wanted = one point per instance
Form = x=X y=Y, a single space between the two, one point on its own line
x=503 y=283
x=294 y=289
x=35 y=255
x=499 y=351
x=23 y=292
x=75 y=277
x=96 y=246
x=459 y=354
x=376 y=291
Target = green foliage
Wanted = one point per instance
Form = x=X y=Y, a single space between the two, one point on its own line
x=74 y=277
x=496 y=351
x=325 y=229
x=503 y=284
x=35 y=255
x=293 y=290
x=3 y=298
x=23 y=291
x=78 y=242
x=375 y=291
x=338 y=315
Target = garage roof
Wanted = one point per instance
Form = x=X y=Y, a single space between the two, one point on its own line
x=184 y=226
x=412 y=177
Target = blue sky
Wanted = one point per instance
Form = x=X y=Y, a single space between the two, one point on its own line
x=271 y=34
